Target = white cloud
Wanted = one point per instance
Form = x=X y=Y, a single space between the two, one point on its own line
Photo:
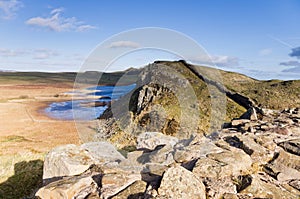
x=8 y=8
x=57 y=10
x=58 y=23
x=44 y=54
x=34 y=53
x=84 y=28
x=12 y=53
x=124 y=44
x=219 y=60
x=265 y=52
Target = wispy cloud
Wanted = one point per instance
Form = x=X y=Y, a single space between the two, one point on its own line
x=219 y=60
x=290 y=63
x=265 y=52
x=292 y=70
x=4 y=52
x=33 y=53
x=44 y=54
x=56 y=22
x=124 y=44
x=8 y=8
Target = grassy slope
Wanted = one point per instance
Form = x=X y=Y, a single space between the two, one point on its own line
x=273 y=94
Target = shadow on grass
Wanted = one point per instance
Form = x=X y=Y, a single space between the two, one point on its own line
x=26 y=179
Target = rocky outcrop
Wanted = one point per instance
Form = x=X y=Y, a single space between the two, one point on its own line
x=247 y=159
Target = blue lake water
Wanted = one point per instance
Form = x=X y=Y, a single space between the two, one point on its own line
x=76 y=109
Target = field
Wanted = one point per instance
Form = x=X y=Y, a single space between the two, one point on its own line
x=26 y=134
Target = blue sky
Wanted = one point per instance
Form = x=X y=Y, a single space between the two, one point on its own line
x=257 y=38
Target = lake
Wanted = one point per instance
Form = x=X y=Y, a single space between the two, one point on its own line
x=85 y=109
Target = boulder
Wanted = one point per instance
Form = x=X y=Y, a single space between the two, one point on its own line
x=247 y=143
x=66 y=160
x=178 y=183
x=131 y=162
x=102 y=152
x=163 y=155
x=238 y=122
x=70 y=187
x=295 y=184
x=284 y=167
x=150 y=140
x=224 y=164
x=72 y=160
x=194 y=150
x=216 y=188
x=291 y=146
x=261 y=189
x=134 y=191
x=113 y=183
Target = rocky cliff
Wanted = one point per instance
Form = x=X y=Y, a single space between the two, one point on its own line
x=177 y=98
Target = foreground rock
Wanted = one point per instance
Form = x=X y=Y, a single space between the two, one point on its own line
x=71 y=187
x=248 y=159
x=178 y=182
x=72 y=160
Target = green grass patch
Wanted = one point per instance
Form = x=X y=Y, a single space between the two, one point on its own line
x=13 y=138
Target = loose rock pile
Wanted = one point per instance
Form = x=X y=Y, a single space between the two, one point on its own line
x=256 y=156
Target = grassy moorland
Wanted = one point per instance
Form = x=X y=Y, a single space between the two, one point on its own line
x=26 y=134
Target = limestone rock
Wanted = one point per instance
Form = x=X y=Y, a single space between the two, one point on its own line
x=71 y=160
x=284 y=167
x=291 y=146
x=247 y=143
x=195 y=151
x=238 y=122
x=150 y=140
x=113 y=183
x=230 y=158
x=229 y=196
x=295 y=184
x=102 y=152
x=70 y=187
x=66 y=161
x=163 y=156
x=131 y=162
x=224 y=164
x=178 y=183
x=134 y=191
x=216 y=188
x=261 y=189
